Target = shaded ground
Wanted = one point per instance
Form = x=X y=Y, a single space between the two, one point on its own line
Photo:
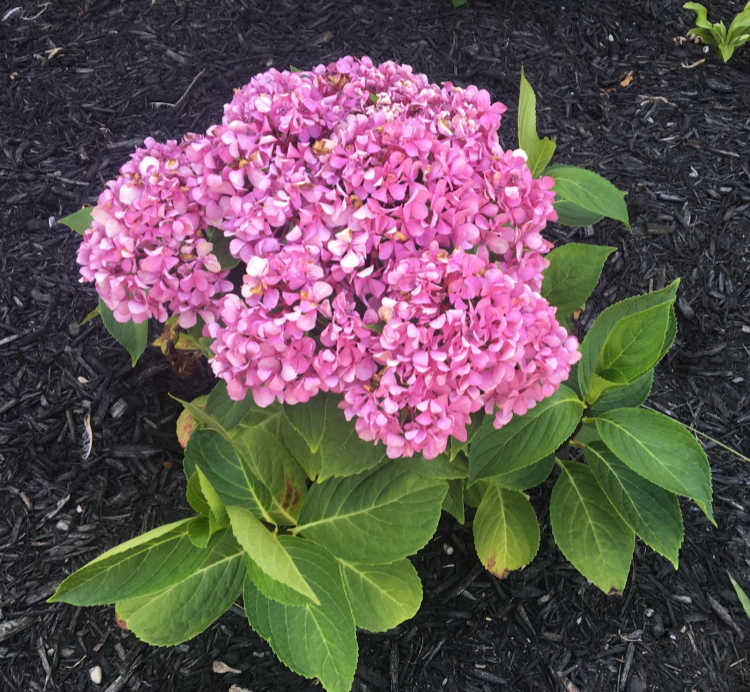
x=85 y=82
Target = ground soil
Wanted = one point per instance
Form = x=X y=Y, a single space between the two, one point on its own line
x=84 y=82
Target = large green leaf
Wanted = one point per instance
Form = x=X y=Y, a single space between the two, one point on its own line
x=189 y=604
x=539 y=151
x=506 y=531
x=378 y=516
x=131 y=336
x=573 y=272
x=316 y=641
x=634 y=345
x=79 y=220
x=583 y=193
x=588 y=530
x=661 y=450
x=323 y=426
x=525 y=439
x=606 y=321
x=142 y=565
x=267 y=551
x=652 y=512
x=632 y=394
x=382 y=596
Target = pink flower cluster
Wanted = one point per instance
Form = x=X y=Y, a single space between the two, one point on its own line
x=390 y=251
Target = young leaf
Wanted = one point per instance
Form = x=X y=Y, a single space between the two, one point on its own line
x=79 y=220
x=378 y=516
x=606 y=321
x=587 y=529
x=382 y=596
x=454 y=501
x=661 y=450
x=506 y=530
x=131 y=336
x=634 y=345
x=268 y=552
x=539 y=151
x=189 y=604
x=586 y=191
x=652 y=512
x=142 y=565
x=315 y=641
x=741 y=595
x=632 y=394
x=525 y=439
x=571 y=277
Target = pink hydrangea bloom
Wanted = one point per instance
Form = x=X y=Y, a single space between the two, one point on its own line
x=391 y=249
x=146 y=250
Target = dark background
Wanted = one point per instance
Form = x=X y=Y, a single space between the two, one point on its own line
x=85 y=82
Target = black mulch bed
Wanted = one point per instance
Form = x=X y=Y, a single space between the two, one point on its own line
x=84 y=82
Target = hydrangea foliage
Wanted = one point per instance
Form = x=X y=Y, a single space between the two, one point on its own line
x=389 y=250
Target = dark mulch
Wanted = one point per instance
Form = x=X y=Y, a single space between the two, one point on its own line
x=85 y=82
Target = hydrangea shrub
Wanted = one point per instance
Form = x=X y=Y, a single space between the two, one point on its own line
x=364 y=267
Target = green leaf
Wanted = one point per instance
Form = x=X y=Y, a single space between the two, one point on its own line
x=142 y=565
x=539 y=151
x=323 y=426
x=189 y=604
x=199 y=532
x=269 y=459
x=457 y=447
x=653 y=513
x=313 y=641
x=92 y=315
x=267 y=551
x=526 y=477
x=634 y=345
x=230 y=413
x=454 y=500
x=271 y=588
x=131 y=336
x=298 y=448
x=588 y=530
x=570 y=214
x=606 y=321
x=506 y=531
x=309 y=419
x=79 y=220
x=525 y=439
x=228 y=473
x=439 y=468
x=571 y=277
x=629 y=395
x=378 y=516
x=194 y=495
x=741 y=595
x=588 y=193
x=661 y=450
x=382 y=596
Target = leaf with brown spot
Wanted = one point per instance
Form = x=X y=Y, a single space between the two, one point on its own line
x=506 y=531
